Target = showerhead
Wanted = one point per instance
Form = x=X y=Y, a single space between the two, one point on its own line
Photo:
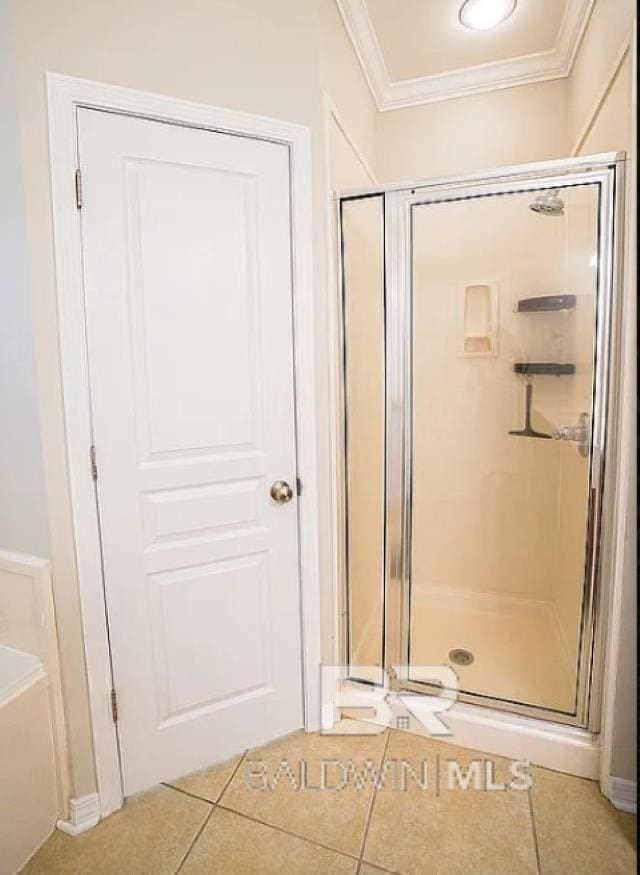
x=548 y=203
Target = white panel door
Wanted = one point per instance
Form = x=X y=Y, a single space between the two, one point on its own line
x=187 y=269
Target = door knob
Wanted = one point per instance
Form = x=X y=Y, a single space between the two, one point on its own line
x=281 y=492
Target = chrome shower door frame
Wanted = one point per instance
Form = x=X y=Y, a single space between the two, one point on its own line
x=608 y=172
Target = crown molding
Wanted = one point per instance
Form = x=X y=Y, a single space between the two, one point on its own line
x=391 y=94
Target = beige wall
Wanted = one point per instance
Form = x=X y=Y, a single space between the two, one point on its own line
x=24 y=526
x=273 y=59
x=348 y=166
x=602 y=117
x=512 y=126
x=605 y=39
x=350 y=97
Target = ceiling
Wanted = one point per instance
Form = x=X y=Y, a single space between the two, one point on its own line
x=416 y=51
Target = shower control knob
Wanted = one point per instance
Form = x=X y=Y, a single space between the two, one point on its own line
x=578 y=434
x=570 y=433
x=281 y=492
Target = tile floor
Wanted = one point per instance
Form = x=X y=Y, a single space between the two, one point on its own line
x=263 y=813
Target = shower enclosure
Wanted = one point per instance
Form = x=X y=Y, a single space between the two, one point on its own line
x=478 y=319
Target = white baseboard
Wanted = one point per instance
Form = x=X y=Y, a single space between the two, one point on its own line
x=83 y=814
x=624 y=794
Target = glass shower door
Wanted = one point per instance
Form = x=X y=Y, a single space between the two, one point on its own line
x=503 y=302
x=477 y=319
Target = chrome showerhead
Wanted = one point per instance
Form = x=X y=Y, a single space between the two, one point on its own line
x=548 y=203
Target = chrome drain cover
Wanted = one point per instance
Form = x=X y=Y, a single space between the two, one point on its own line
x=461 y=656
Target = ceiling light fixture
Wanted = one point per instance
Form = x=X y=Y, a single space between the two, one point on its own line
x=485 y=14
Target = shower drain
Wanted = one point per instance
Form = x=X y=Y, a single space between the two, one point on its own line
x=461 y=656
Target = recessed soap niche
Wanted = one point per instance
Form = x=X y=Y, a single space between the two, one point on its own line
x=478 y=320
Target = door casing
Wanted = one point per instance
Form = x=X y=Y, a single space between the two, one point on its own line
x=65 y=96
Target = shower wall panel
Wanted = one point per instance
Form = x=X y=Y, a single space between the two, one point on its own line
x=485 y=503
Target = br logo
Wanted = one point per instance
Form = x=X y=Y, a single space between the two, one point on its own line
x=375 y=703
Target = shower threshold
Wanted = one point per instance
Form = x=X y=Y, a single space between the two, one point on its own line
x=519 y=656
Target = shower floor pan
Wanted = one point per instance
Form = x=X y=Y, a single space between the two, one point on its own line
x=519 y=651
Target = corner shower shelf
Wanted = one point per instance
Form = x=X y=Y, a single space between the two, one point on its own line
x=545 y=302
x=552 y=369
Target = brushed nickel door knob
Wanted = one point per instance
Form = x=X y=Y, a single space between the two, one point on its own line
x=281 y=492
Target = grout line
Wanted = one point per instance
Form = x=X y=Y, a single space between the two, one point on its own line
x=213 y=805
x=377 y=868
x=219 y=804
x=186 y=793
x=533 y=828
x=288 y=832
x=195 y=839
x=371 y=804
x=204 y=798
x=233 y=774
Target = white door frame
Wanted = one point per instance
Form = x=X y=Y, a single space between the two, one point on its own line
x=65 y=96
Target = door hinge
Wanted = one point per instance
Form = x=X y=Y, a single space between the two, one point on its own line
x=298 y=486
x=114 y=706
x=93 y=462
x=78 y=189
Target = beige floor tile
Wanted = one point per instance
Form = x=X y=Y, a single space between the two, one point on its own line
x=347 y=724
x=151 y=833
x=335 y=818
x=368 y=869
x=578 y=830
x=232 y=844
x=207 y=784
x=443 y=829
